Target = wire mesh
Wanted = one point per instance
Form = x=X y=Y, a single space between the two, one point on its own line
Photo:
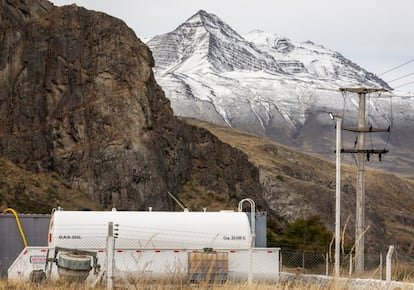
x=302 y=262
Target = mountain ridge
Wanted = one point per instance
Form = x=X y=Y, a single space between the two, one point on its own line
x=206 y=31
x=205 y=23
x=281 y=92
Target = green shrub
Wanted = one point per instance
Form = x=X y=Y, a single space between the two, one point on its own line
x=308 y=235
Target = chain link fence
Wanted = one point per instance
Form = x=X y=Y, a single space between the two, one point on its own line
x=130 y=267
x=206 y=266
x=301 y=262
x=133 y=256
x=319 y=263
x=133 y=260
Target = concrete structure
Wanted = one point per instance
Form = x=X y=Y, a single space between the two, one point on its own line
x=35 y=227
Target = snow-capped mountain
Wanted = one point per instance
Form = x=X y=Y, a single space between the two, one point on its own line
x=205 y=39
x=262 y=83
x=309 y=60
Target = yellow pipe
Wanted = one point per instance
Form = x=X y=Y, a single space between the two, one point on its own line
x=18 y=224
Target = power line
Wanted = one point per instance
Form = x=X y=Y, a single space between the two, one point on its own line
x=404 y=76
x=409 y=83
x=398 y=66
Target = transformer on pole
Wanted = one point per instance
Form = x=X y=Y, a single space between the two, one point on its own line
x=361 y=153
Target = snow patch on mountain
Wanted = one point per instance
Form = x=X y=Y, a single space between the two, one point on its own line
x=263 y=83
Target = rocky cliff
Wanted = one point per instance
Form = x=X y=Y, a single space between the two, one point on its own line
x=78 y=97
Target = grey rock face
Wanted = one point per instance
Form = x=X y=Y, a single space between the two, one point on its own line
x=78 y=97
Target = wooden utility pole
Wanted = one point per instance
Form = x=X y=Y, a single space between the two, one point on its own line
x=360 y=187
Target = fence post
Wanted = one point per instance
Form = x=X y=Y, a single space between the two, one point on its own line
x=380 y=266
x=250 y=273
x=110 y=252
x=280 y=262
x=303 y=262
x=388 y=264
x=350 y=264
x=326 y=265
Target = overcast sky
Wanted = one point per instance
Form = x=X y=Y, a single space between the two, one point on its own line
x=376 y=34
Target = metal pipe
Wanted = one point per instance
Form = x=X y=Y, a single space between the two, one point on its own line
x=337 y=193
x=252 y=235
x=338 y=197
x=252 y=217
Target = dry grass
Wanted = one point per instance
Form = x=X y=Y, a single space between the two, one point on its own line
x=403 y=272
x=29 y=192
x=196 y=196
x=294 y=284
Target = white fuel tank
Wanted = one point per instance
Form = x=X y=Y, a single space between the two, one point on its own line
x=150 y=229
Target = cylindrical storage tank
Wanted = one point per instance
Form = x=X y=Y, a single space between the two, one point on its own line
x=150 y=230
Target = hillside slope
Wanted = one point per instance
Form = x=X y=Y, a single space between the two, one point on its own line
x=29 y=192
x=297 y=185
